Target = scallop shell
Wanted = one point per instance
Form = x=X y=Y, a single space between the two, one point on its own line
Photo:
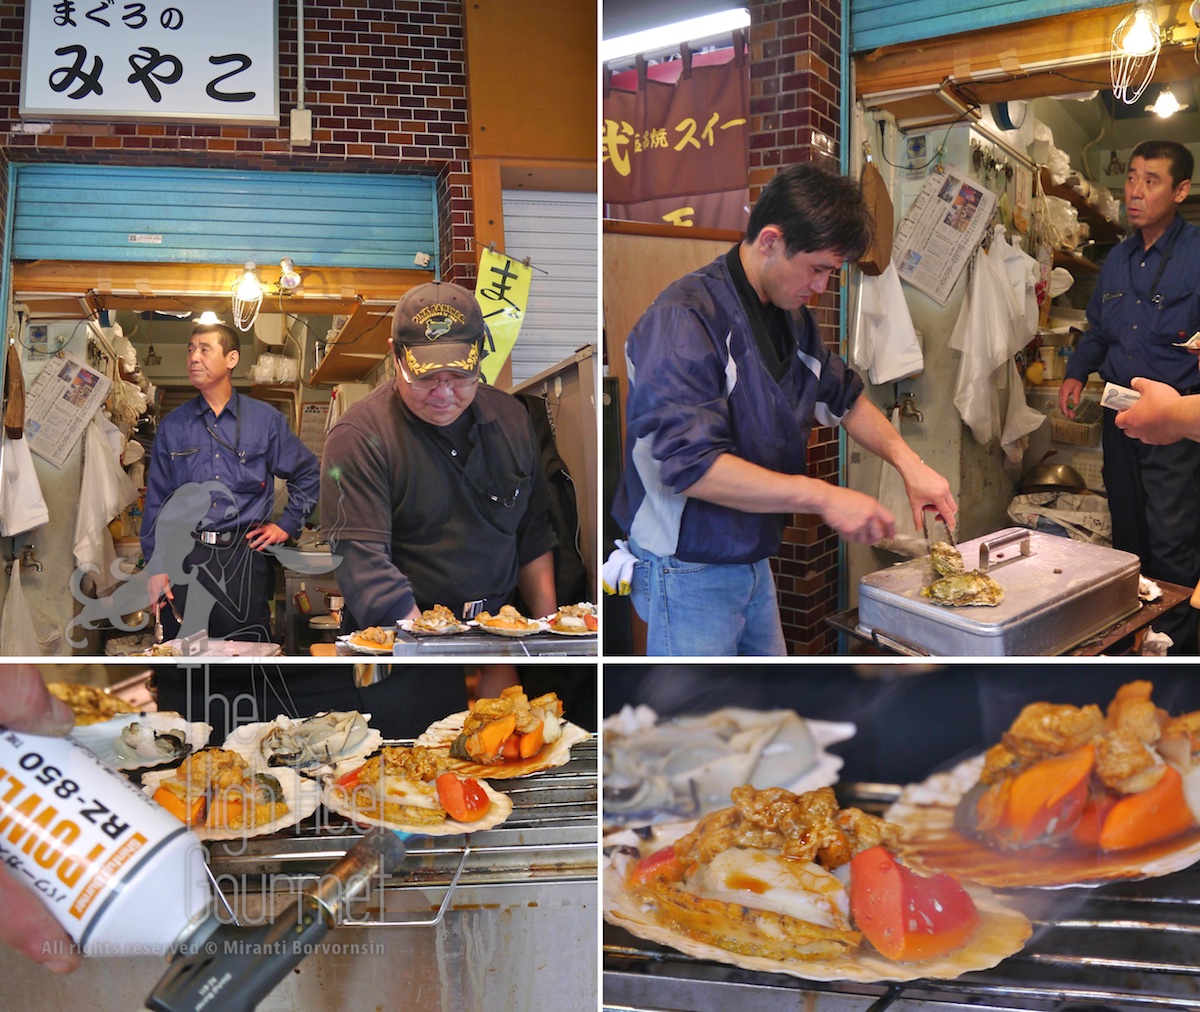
x=500 y=809
x=101 y=739
x=301 y=795
x=440 y=735
x=1001 y=933
x=930 y=842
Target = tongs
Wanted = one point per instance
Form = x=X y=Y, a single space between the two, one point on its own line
x=936 y=529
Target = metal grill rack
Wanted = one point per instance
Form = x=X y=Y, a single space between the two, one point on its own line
x=550 y=839
x=1115 y=948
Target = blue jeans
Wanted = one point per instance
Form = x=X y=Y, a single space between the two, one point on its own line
x=703 y=609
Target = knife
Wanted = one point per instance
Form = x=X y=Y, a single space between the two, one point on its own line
x=937 y=521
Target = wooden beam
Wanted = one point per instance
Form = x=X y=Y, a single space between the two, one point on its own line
x=1051 y=56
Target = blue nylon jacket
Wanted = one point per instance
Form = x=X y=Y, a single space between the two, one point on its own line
x=184 y=451
x=1129 y=334
x=698 y=388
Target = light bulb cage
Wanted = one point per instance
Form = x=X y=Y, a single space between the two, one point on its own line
x=1131 y=72
x=246 y=298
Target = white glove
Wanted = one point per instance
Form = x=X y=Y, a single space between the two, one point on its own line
x=617 y=571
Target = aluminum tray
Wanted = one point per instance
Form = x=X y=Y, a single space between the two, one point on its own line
x=1057 y=593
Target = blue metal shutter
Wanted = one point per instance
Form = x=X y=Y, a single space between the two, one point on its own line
x=167 y=215
x=876 y=23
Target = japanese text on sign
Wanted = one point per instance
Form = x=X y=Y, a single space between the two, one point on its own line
x=157 y=59
x=502 y=291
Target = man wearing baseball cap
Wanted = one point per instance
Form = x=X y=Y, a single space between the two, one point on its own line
x=432 y=489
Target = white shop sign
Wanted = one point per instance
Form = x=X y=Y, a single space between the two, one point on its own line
x=214 y=60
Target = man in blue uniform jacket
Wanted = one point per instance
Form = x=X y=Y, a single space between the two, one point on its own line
x=227 y=449
x=727 y=376
x=1147 y=303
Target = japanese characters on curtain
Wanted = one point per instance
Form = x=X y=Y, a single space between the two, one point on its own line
x=678 y=153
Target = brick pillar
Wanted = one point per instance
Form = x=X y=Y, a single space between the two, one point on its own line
x=795 y=95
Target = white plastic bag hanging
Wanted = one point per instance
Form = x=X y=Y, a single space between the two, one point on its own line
x=1020 y=419
x=982 y=338
x=1022 y=272
x=17 y=635
x=885 y=343
x=105 y=491
x=22 y=506
x=907 y=540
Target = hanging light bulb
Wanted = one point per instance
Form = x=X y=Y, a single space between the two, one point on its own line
x=1141 y=38
x=289 y=279
x=247 y=298
x=208 y=317
x=1166 y=104
x=1134 y=52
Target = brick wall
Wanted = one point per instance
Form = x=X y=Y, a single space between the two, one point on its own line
x=795 y=92
x=385 y=82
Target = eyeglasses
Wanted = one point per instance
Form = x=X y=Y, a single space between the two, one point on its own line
x=428 y=383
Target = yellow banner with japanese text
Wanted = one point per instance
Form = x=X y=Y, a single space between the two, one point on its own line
x=502 y=291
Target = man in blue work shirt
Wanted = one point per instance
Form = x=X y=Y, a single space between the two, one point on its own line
x=728 y=374
x=228 y=448
x=1146 y=302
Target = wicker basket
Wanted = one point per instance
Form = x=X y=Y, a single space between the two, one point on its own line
x=1064 y=430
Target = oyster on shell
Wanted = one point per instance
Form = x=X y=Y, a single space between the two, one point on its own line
x=945 y=559
x=315 y=741
x=965 y=590
x=688 y=766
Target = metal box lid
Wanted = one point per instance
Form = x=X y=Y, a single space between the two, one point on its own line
x=1057 y=593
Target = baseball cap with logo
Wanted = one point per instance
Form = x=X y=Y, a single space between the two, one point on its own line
x=438 y=326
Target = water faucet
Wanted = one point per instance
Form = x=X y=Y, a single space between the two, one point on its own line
x=908 y=407
x=26 y=561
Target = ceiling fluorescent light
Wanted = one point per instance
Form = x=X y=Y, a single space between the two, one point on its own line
x=668 y=36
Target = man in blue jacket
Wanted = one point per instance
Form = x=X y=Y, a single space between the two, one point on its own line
x=727 y=376
x=226 y=449
x=1147 y=303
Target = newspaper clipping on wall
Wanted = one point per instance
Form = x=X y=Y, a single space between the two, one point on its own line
x=940 y=232
x=60 y=404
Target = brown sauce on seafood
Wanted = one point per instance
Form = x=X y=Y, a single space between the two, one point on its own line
x=964 y=856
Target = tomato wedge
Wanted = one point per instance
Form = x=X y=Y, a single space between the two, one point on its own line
x=661 y=864
x=349 y=780
x=907 y=916
x=463 y=798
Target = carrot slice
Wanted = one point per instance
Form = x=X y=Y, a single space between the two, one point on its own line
x=487 y=744
x=190 y=814
x=1155 y=814
x=906 y=916
x=529 y=744
x=225 y=810
x=1047 y=799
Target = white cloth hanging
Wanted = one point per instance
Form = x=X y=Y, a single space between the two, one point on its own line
x=22 y=506
x=886 y=345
